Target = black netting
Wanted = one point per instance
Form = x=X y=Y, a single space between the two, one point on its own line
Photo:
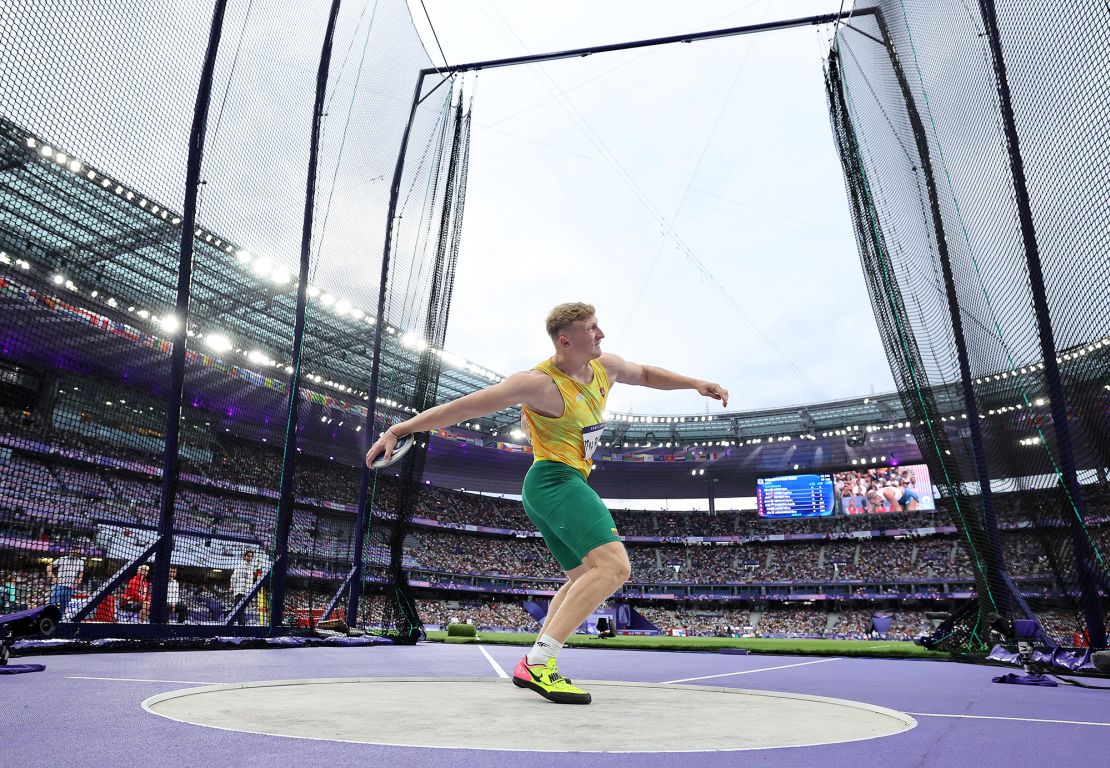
x=129 y=133
x=92 y=190
x=981 y=252
x=225 y=486
x=416 y=298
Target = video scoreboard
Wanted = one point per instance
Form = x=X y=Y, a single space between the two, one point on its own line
x=795 y=496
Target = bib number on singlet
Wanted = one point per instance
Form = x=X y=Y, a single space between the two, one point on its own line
x=591 y=439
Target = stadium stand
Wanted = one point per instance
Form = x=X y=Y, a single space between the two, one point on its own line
x=58 y=496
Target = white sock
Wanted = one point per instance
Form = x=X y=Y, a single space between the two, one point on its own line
x=546 y=647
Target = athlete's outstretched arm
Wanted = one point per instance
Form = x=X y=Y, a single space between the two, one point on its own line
x=627 y=372
x=518 y=388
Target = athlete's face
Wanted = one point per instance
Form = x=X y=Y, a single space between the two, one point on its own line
x=584 y=336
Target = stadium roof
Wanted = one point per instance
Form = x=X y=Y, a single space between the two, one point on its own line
x=111 y=252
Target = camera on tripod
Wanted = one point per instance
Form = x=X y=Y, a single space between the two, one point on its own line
x=30 y=623
x=1026 y=632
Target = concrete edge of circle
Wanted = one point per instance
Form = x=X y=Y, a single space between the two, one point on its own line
x=150 y=702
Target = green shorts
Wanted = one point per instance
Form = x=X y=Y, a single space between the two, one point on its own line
x=567 y=511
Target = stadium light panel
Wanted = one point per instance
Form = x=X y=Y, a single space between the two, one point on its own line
x=452 y=359
x=217 y=342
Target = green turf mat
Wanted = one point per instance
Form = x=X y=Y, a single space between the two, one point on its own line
x=877 y=648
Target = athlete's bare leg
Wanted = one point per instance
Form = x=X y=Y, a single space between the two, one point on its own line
x=606 y=569
x=572 y=576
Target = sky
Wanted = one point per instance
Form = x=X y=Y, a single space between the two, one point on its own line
x=692 y=193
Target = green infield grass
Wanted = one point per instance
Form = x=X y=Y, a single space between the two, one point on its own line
x=879 y=648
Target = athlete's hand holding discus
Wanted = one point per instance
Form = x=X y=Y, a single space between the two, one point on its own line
x=389 y=449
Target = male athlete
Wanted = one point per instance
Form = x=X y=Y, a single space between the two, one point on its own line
x=563 y=399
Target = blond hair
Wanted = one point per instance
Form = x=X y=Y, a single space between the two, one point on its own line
x=565 y=314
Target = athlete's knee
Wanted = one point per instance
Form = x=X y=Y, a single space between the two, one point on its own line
x=612 y=560
x=574 y=574
x=624 y=568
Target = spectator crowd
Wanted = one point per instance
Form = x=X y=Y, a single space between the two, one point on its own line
x=53 y=509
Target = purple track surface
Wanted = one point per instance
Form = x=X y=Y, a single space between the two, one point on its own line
x=67 y=716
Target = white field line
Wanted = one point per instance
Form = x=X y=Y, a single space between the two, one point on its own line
x=1018 y=719
x=496 y=667
x=749 y=671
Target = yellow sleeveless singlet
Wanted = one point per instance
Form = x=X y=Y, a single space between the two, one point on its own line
x=572 y=438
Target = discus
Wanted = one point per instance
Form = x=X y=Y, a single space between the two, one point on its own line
x=403 y=446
